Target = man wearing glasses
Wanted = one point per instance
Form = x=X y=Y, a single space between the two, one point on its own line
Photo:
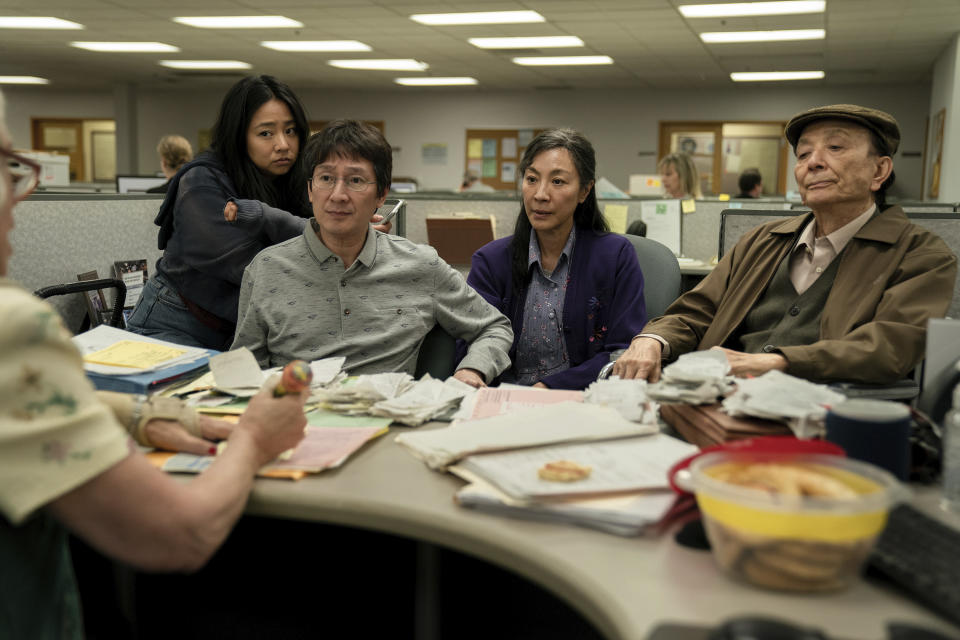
x=345 y=289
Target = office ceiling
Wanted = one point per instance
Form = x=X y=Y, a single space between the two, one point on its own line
x=653 y=46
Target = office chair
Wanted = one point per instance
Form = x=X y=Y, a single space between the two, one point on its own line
x=437 y=354
x=661 y=283
x=116 y=317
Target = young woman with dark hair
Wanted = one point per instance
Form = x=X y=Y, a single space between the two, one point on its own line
x=248 y=192
x=573 y=291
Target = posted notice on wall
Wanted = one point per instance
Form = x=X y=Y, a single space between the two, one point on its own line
x=663 y=222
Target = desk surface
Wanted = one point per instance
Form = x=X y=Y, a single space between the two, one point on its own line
x=624 y=586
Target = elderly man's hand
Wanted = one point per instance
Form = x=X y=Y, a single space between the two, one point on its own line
x=385 y=228
x=640 y=360
x=173 y=436
x=471 y=377
x=743 y=365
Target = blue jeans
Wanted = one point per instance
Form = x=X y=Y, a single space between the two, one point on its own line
x=160 y=313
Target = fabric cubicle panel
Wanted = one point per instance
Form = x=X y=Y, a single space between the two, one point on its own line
x=58 y=237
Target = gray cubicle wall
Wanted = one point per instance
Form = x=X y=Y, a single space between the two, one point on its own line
x=946 y=225
x=57 y=237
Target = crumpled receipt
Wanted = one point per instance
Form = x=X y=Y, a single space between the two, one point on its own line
x=628 y=397
x=779 y=396
x=698 y=377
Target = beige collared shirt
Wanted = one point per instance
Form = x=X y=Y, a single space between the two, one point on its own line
x=813 y=255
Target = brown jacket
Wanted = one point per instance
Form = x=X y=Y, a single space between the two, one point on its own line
x=893 y=276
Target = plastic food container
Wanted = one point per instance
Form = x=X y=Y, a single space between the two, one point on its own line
x=812 y=532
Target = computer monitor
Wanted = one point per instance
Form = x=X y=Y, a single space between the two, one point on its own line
x=138 y=184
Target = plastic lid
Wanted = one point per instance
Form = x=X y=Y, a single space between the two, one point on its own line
x=871 y=410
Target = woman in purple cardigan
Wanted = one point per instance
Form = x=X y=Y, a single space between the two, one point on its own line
x=572 y=290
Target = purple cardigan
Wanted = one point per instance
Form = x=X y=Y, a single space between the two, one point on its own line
x=602 y=311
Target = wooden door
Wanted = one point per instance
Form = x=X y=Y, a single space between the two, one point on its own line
x=63 y=136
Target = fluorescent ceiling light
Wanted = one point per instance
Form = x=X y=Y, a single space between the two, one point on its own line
x=218 y=65
x=23 y=80
x=563 y=60
x=315 y=45
x=128 y=47
x=434 y=82
x=36 y=22
x=763 y=76
x=752 y=9
x=526 y=43
x=763 y=36
x=239 y=22
x=478 y=17
x=399 y=64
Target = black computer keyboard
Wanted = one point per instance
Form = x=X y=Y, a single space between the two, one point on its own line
x=921 y=555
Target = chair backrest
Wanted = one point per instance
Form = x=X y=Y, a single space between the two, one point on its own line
x=661 y=274
x=940 y=373
x=734 y=223
x=437 y=353
x=94 y=286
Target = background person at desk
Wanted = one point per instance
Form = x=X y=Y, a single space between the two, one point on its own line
x=679 y=176
x=573 y=291
x=841 y=294
x=65 y=461
x=253 y=174
x=344 y=289
x=174 y=152
x=750 y=183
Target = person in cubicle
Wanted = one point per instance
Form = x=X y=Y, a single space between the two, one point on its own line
x=842 y=293
x=471 y=183
x=243 y=195
x=750 y=183
x=573 y=291
x=342 y=288
x=679 y=176
x=174 y=151
x=67 y=462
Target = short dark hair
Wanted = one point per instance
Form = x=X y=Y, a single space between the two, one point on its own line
x=587 y=215
x=352 y=139
x=229 y=143
x=749 y=179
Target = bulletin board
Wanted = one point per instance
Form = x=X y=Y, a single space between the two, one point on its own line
x=495 y=153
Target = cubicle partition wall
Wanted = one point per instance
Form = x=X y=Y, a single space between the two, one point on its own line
x=57 y=237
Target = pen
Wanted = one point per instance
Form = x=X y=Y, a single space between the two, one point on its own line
x=295 y=378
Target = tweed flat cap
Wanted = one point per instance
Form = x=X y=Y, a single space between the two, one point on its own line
x=880 y=122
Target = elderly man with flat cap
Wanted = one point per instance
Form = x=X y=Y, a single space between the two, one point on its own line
x=839 y=294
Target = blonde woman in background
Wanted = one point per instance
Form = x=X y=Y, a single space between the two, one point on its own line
x=174 y=152
x=680 y=176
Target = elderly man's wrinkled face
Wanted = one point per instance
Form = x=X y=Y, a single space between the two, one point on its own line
x=837 y=164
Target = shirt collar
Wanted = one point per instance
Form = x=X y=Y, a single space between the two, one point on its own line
x=367 y=255
x=534 y=254
x=839 y=238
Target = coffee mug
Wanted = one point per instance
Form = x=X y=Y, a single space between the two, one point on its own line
x=875 y=431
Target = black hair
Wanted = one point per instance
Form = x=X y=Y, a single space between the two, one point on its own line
x=749 y=179
x=881 y=149
x=587 y=214
x=229 y=143
x=351 y=139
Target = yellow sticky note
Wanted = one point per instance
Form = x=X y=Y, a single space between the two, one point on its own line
x=723 y=197
x=616 y=215
x=134 y=354
x=475 y=148
x=688 y=206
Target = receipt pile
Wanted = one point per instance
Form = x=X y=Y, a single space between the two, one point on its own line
x=395 y=395
x=629 y=397
x=778 y=396
x=699 y=377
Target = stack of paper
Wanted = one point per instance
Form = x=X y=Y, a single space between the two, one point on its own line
x=427 y=399
x=779 y=396
x=562 y=422
x=699 y=377
x=625 y=493
x=237 y=373
x=118 y=360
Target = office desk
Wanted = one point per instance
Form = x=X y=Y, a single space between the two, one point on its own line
x=623 y=586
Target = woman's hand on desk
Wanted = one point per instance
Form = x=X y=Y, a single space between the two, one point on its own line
x=173 y=436
x=640 y=360
x=471 y=377
x=385 y=228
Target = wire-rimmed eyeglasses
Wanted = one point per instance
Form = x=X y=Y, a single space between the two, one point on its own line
x=327 y=181
x=24 y=173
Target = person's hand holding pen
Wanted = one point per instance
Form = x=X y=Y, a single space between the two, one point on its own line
x=274 y=418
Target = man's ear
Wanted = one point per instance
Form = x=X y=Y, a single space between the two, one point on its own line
x=883 y=171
